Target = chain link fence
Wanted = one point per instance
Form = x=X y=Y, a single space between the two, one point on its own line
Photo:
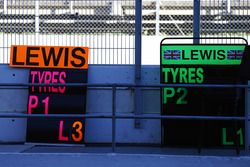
x=108 y=26
x=225 y=18
x=219 y=18
x=168 y=17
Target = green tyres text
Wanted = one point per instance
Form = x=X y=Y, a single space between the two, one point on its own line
x=190 y=75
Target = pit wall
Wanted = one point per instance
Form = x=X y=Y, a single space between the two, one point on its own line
x=99 y=100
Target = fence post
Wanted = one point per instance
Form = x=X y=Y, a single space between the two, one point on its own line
x=37 y=21
x=196 y=22
x=138 y=32
x=5 y=6
x=71 y=7
x=157 y=18
x=113 y=118
x=247 y=113
x=228 y=6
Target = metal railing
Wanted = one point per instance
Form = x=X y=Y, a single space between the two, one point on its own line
x=114 y=116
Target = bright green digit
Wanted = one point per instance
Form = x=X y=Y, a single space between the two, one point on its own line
x=184 y=93
x=240 y=133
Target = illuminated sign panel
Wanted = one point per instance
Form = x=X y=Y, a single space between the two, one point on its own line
x=49 y=57
x=201 y=54
x=56 y=100
x=54 y=65
x=200 y=64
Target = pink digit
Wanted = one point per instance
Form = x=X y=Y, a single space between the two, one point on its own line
x=46 y=104
x=33 y=103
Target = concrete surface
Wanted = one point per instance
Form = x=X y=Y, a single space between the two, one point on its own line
x=117 y=160
x=28 y=155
